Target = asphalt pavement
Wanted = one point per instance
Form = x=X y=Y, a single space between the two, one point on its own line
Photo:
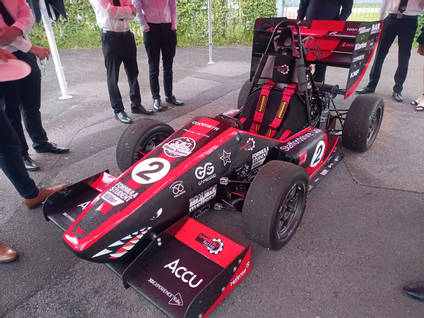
x=361 y=238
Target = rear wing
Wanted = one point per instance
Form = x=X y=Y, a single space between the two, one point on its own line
x=346 y=44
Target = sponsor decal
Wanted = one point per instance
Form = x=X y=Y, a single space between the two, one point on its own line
x=363 y=30
x=250 y=145
x=214 y=245
x=184 y=274
x=124 y=245
x=175 y=299
x=354 y=73
x=226 y=157
x=205 y=173
x=346 y=44
x=360 y=46
x=283 y=69
x=209 y=126
x=299 y=140
x=157 y=214
x=177 y=188
x=351 y=29
x=119 y=193
x=195 y=132
x=318 y=154
x=202 y=198
x=179 y=147
x=240 y=276
x=84 y=205
x=358 y=58
x=375 y=28
x=198 y=213
x=150 y=170
x=258 y=158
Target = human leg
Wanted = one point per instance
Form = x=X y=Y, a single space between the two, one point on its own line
x=388 y=35
x=152 y=45
x=407 y=29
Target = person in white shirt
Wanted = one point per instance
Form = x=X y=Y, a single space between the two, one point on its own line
x=118 y=46
x=16 y=21
x=158 y=20
x=401 y=22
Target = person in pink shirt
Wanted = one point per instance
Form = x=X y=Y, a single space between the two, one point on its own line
x=118 y=46
x=158 y=20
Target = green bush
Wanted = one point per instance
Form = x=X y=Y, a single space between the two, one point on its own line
x=232 y=23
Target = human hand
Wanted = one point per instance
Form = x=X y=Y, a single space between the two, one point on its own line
x=41 y=52
x=421 y=49
x=6 y=55
x=9 y=34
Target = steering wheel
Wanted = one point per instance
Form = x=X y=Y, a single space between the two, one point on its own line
x=235 y=122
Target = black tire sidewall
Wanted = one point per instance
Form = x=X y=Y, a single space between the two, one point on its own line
x=264 y=198
x=134 y=135
x=356 y=125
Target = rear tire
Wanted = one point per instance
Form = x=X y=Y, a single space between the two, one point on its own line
x=244 y=92
x=138 y=139
x=275 y=203
x=363 y=122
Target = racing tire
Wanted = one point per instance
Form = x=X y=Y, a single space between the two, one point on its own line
x=275 y=203
x=138 y=139
x=363 y=122
x=243 y=94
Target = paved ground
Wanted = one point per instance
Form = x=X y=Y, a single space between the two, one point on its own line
x=360 y=240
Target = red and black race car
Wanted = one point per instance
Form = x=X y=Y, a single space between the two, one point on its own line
x=261 y=159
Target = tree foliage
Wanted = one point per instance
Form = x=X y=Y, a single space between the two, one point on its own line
x=232 y=23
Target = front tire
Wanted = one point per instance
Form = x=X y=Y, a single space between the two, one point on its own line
x=275 y=203
x=138 y=139
x=363 y=122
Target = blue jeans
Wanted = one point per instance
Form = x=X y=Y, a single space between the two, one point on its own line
x=11 y=161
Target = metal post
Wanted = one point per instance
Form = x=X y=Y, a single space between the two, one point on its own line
x=210 y=31
x=54 y=52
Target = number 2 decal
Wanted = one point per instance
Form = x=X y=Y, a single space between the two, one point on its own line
x=150 y=170
x=319 y=153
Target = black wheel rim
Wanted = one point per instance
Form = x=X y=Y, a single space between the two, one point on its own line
x=373 y=127
x=145 y=145
x=290 y=211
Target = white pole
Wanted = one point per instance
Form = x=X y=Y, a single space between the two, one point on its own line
x=53 y=49
x=210 y=31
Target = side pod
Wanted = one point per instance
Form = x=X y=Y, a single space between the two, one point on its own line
x=188 y=269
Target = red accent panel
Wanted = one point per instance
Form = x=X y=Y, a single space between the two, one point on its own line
x=79 y=230
x=239 y=275
x=302 y=158
x=190 y=231
x=103 y=182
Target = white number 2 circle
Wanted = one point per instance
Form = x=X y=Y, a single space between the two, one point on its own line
x=150 y=170
x=319 y=153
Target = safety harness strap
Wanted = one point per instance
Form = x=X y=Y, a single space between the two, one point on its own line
x=285 y=100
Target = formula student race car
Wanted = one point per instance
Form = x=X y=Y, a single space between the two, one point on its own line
x=261 y=159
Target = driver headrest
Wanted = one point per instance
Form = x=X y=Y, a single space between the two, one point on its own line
x=285 y=41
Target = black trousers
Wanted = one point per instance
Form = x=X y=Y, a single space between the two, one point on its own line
x=404 y=29
x=159 y=39
x=25 y=96
x=119 y=47
x=10 y=154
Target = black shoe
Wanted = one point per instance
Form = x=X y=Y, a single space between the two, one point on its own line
x=123 y=117
x=415 y=290
x=397 y=97
x=365 y=90
x=157 y=105
x=172 y=100
x=30 y=164
x=141 y=110
x=50 y=147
